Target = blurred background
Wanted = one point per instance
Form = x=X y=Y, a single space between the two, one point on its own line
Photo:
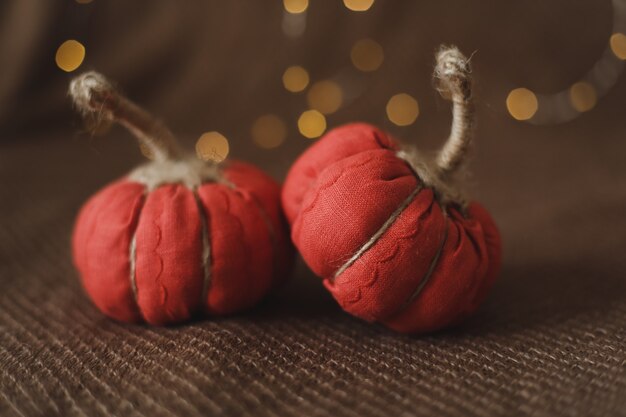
x=249 y=70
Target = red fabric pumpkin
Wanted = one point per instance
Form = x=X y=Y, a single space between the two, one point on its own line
x=386 y=247
x=179 y=237
x=165 y=276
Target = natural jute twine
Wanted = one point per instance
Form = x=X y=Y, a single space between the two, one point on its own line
x=452 y=75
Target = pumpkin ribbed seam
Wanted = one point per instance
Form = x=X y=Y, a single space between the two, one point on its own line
x=206 y=250
x=379 y=233
x=429 y=273
x=272 y=234
x=132 y=255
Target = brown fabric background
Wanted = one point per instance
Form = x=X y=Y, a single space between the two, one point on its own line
x=550 y=340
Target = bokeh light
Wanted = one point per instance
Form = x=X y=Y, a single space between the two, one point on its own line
x=70 y=55
x=296 y=6
x=295 y=79
x=367 y=55
x=268 y=131
x=358 y=5
x=212 y=146
x=583 y=96
x=402 y=109
x=618 y=45
x=325 y=96
x=522 y=103
x=312 y=124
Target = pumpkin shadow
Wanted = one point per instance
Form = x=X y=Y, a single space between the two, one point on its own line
x=303 y=296
x=525 y=297
x=548 y=294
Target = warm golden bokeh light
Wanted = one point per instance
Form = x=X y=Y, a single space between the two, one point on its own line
x=618 y=45
x=296 y=6
x=358 y=5
x=583 y=96
x=70 y=55
x=325 y=96
x=522 y=103
x=402 y=109
x=268 y=131
x=295 y=79
x=312 y=124
x=367 y=55
x=212 y=146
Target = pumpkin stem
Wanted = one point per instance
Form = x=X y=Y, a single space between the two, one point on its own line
x=94 y=95
x=453 y=76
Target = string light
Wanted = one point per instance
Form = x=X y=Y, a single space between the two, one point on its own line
x=583 y=96
x=522 y=103
x=402 y=109
x=212 y=146
x=618 y=45
x=311 y=124
x=70 y=55
x=325 y=96
x=569 y=103
x=268 y=131
x=296 y=6
x=358 y=5
x=295 y=79
x=367 y=55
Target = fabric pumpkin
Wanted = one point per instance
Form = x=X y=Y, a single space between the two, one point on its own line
x=178 y=237
x=389 y=247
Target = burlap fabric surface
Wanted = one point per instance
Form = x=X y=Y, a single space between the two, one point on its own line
x=550 y=341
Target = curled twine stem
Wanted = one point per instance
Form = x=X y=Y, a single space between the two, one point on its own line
x=453 y=80
x=93 y=94
x=453 y=76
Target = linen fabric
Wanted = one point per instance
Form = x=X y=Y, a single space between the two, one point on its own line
x=337 y=196
x=178 y=269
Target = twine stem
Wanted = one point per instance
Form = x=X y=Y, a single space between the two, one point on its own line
x=94 y=95
x=453 y=75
